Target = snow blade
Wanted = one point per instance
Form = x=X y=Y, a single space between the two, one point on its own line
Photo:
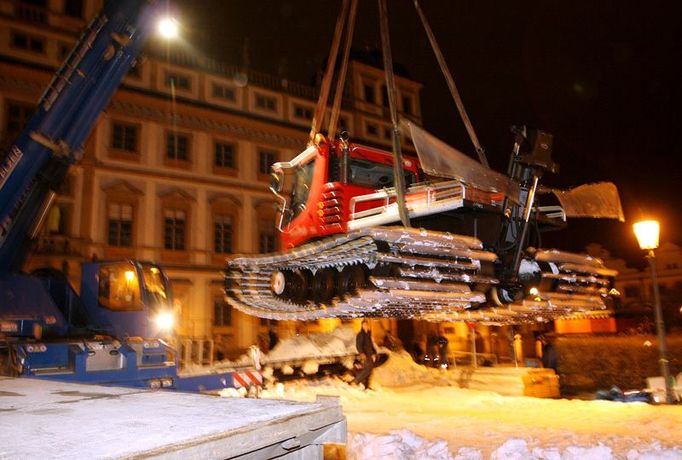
x=598 y=201
x=440 y=160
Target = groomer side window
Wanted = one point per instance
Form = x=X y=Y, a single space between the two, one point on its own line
x=374 y=175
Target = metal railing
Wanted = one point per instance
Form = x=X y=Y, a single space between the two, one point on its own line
x=419 y=198
x=59 y=245
x=469 y=356
x=195 y=351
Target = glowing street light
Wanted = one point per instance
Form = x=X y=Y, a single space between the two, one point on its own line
x=647 y=233
x=168 y=28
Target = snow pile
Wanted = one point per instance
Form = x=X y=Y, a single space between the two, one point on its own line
x=397 y=445
x=517 y=449
x=301 y=349
x=310 y=366
x=406 y=445
x=233 y=392
x=307 y=390
x=401 y=370
x=339 y=342
x=654 y=451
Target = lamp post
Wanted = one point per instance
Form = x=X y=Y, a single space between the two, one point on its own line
x=647 y=236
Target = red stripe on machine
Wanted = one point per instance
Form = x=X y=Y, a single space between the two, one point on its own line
x=246 y=379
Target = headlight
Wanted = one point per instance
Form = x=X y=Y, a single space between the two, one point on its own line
x=164 y=321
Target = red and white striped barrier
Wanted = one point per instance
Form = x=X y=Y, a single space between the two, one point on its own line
x=247 y=378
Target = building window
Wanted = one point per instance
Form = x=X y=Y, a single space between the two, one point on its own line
x=17 y=116
x=224 y=155
x=388 y=133
x=369 y=93
x=28 y=42
x=177 y=147
x=632 y=291
x=266 y=237
x=178 y=81
x=124 y=137
x=302 y=112
x=372 y=129
x=135 y=71
x=57 y=219
x=266 y=102
x=223 y=234
x=407 y=105
x=73 y=8
x=265 y=159
x=224 y=92
x=343 y=124
x=222 y=312
x=384 y=95
x=120 y=225
x=174 y=229
x=32 y=10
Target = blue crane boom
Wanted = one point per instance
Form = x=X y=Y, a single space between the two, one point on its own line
x=37 y=161
x=108 y=333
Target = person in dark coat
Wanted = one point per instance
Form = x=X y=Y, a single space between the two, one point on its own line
x=549 y=353
x=272 y=338
x=367 y=351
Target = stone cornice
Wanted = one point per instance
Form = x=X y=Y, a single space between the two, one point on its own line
x=194 y=122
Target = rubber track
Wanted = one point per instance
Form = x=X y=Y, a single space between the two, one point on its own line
x=428 y=264
x=247 y=277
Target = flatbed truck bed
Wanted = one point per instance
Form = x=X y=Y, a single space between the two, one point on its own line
x=44 y=419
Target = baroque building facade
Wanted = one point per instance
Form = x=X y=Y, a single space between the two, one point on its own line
x=176 y=169
x=635 y=314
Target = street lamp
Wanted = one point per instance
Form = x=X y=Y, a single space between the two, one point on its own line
x=647 y=236
x=168 y=28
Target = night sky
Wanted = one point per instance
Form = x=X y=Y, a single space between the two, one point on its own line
x=602 y=76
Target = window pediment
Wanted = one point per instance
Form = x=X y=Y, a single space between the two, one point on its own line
x=121 y=187
x=176 y=194
x=224 y=200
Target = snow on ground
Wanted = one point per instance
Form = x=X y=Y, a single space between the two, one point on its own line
x=419 y=413
x=305 y=350
x=337 y=343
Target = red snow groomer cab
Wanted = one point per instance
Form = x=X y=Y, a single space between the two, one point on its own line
x=341 y=187
x=465 y=255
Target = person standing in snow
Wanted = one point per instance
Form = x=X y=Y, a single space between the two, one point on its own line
x=272 y=338
x=367 y=351
x=549 y=354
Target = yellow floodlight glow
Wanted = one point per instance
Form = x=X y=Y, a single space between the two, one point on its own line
x=165 y=321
